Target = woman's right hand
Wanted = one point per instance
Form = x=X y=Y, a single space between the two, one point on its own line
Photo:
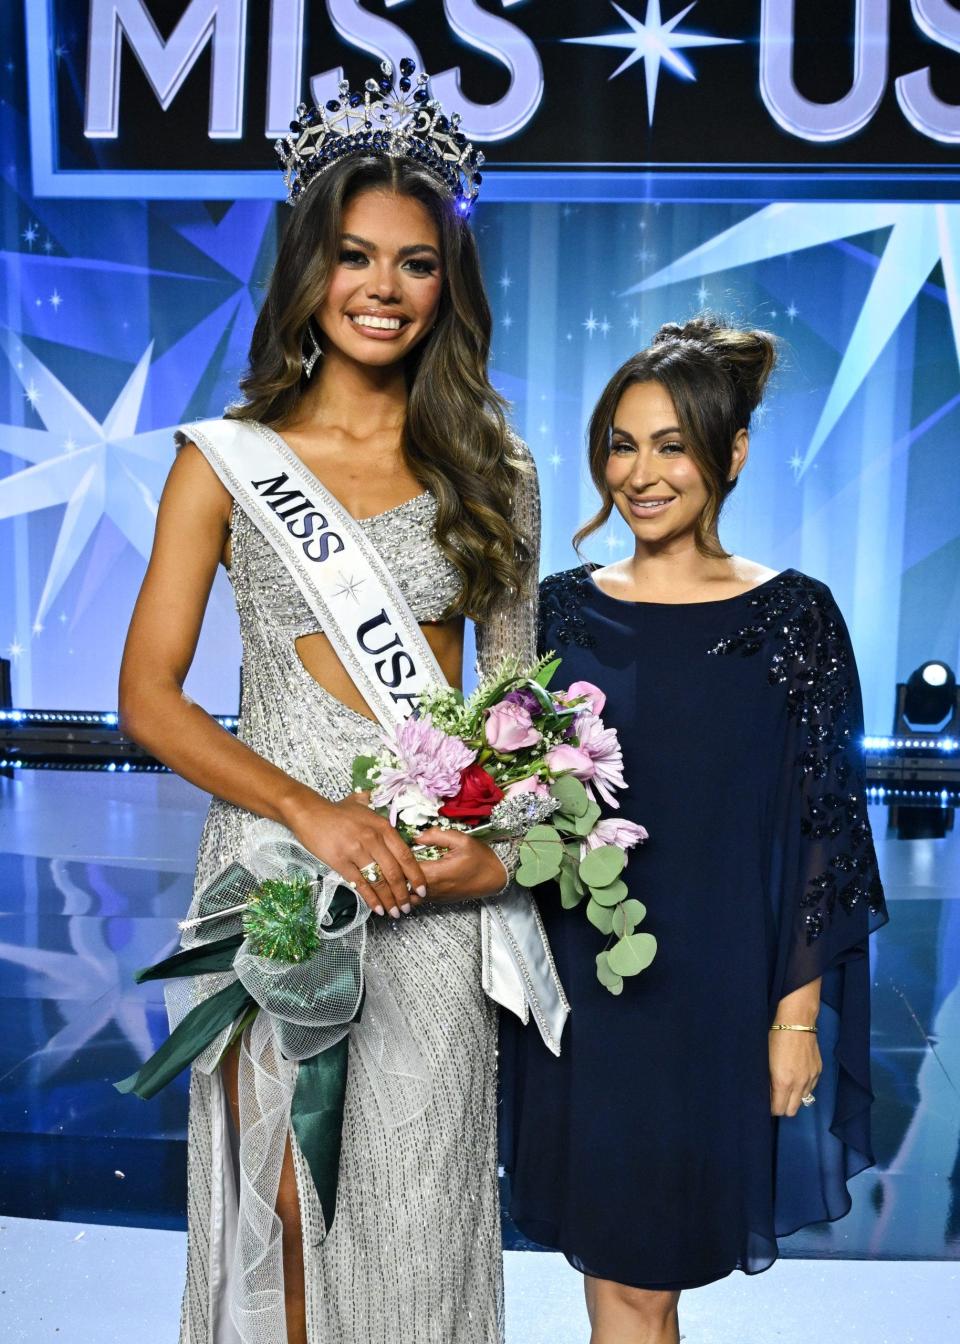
x=347 y=836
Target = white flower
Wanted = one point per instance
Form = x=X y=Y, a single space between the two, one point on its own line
x=415 y=808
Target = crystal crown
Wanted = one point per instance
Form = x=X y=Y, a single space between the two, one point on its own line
x=394 y=118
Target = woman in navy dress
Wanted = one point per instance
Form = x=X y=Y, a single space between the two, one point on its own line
x=723 y=1099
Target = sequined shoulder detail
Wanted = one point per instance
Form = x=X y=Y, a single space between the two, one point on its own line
x=796 y=619
x=797 y=622
x=561 y=619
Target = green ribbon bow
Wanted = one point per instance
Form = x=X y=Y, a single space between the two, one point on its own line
x=316 y=1111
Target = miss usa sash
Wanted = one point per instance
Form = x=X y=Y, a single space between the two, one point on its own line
x=380 y=644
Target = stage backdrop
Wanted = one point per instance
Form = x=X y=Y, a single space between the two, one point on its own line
x=793 y=171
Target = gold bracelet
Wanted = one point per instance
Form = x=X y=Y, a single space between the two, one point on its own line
x=789 y=1026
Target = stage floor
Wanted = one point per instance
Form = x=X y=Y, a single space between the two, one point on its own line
x=73 y=1283
x=95 y=870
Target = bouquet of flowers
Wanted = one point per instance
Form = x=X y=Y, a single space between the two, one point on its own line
x=513 y=759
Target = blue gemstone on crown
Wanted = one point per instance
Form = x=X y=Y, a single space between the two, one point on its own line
x=394 y=122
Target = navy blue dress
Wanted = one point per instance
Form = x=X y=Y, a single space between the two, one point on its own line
x=647 y=1153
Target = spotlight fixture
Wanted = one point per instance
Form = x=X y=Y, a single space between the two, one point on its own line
x=928 y=702
x=916 y=770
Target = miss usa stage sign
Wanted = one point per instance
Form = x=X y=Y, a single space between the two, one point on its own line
x=579 y=98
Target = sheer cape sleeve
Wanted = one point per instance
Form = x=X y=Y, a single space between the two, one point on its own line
x=511 y=629
x=826 y=898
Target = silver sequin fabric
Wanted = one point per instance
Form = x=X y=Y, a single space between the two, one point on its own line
x=414 y=1255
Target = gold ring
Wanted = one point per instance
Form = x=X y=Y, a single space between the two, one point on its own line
x=808 y=1100
x=370 y=872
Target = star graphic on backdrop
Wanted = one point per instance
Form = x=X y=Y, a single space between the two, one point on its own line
x=591 y=324
x=920 y=237
x=655 y=42
x=91 y=983
x=55 y=301
x=604 y=327
x=30 y=235
x=349 y=587
x=702 y=294
x=506 y=321
x=613 y=542
x=505 y=282
x=555 y=460
x=795 y=463
x=633 y=323
x=112 y=471
x=543 y=427
x=793 y=311
x=14 y=650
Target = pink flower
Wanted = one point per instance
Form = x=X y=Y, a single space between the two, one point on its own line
x=602 y=746
x=532 y=784
x=594 y=697
x=564 y=760
x=614 y=831
x=509 y=727
x=422 y=757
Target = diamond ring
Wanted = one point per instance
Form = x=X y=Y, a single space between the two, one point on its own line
x=370 y=872
x=808 y=1100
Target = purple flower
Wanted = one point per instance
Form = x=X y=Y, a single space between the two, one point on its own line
x=614 y=831
x=525 y=699
x=602 y=747
x=424 y=758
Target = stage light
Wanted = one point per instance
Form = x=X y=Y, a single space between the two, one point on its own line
x=917 y=765
x=929 y=703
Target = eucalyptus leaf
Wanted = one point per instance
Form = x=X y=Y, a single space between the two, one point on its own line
x=541 y=853
x=607 y=977
x=571 y=795
x=568 y=825
x=571 y=890
x=627 y=916
x=586 y=823
x=528 y=876
x=632 y=954
x=602 y=865
x=599 y=916
x=610 y=895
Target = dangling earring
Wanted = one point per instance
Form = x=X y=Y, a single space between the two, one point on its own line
x=308 y=360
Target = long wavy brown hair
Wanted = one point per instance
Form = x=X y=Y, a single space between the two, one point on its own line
x=716 y=374
x=455 y=437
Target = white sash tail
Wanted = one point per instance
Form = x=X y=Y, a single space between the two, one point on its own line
x=363 y=613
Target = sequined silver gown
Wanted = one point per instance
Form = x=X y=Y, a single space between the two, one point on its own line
x=414 y=1255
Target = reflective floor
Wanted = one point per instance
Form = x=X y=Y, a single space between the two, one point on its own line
x=94 y=871
x=74 y=1283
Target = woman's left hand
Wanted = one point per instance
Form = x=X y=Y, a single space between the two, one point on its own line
x=795 y=1067
x=469 y=869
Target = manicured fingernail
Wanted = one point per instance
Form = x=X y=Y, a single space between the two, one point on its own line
x=421 y=892
x=406 y=908
x=394 y=912
x=378 y=910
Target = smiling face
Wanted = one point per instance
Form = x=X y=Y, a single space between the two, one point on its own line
x=652 y=476
x=386 y=285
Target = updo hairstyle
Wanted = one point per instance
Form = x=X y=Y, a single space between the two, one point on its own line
x=715 y=374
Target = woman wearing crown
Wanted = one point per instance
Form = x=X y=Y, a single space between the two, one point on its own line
x=369 y=433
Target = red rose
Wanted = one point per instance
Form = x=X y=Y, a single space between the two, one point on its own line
x=477 y=797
